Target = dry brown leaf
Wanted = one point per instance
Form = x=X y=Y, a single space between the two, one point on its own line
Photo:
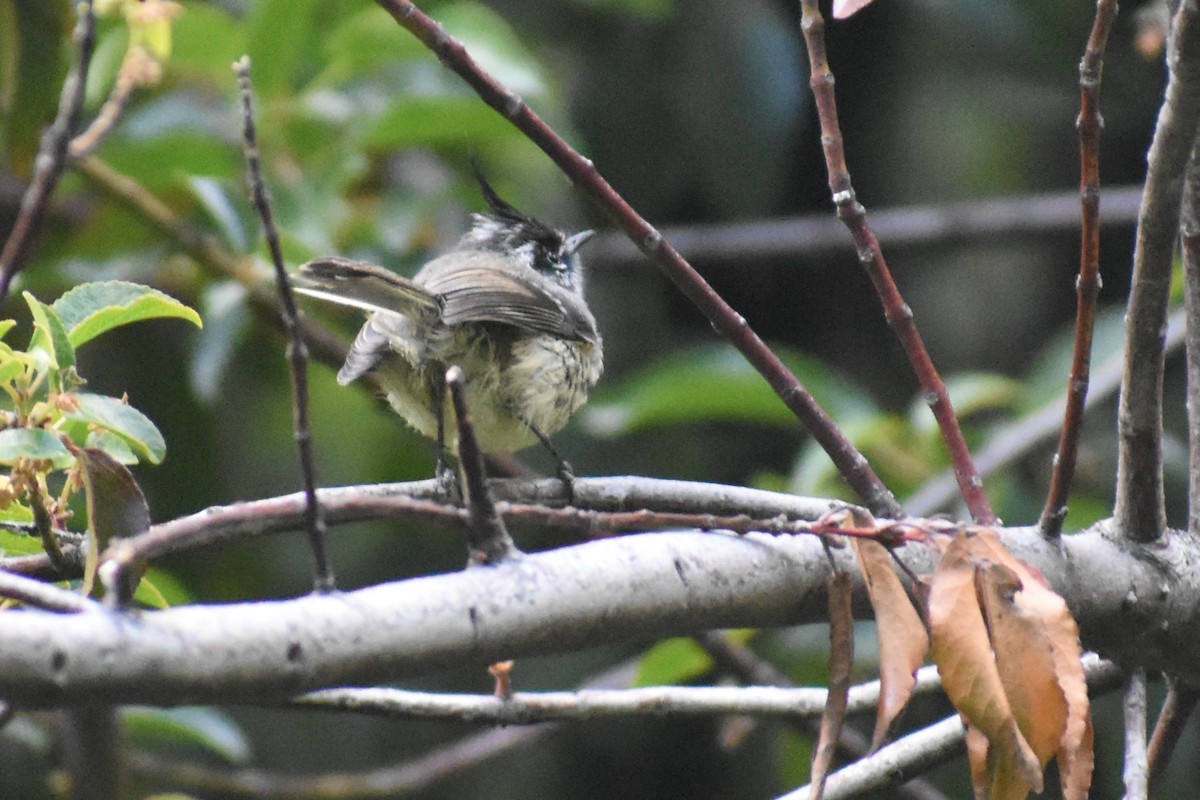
x=841 y=661
x=1075 y=767
x=1075 y=756
x=977 y=755
x=1025 y=661
x=903 y=640
x=962 y=650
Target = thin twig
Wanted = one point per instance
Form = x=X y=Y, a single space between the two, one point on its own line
x=1172 y=719
x=1189 y=229
x=113 y=109
x=1135 y=771
x=850 y=463
x=1140 y=507
x=297 y=353
x=528 y=708
x=1088 y=283
x=599 y=510
x=43 y=595
x=898 y=314
x=52 y=153
x=488 y=541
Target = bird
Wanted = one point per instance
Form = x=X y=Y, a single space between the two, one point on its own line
x=505 y=305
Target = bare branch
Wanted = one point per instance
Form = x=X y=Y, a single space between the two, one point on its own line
x=614 y=590
x=746 y=245
x=1088 y=283
x=43 y=595
x=488 y=541
x=527 y=708
x=52 y=153
x=1172 y=719
x=1140 y=510
x=870 y=255
x=297 y=353
x=1135 y=772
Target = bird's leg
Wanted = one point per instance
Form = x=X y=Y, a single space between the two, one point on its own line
x=446 y=477
x=566 y=473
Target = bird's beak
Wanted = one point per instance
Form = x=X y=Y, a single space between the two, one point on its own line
x=573 y=243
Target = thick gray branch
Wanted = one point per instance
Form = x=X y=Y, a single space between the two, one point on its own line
x=1135 y=604
x=1140 y=509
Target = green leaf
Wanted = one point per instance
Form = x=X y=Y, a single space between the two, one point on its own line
x=50 y=333
x=6 y=325
x=38 y=444
x=282 y=35
x=91 y=309
x=715 y=383
x=117 y=448
x=220 y=207
x=10 y=368
x=32 y=38
x=160 y=589
x=16 y=544
x=671 y=662
x=425 y=121
x=125 y=421
x=116 y=506
x=205 y=728
x=224 y=304
x=494 y=45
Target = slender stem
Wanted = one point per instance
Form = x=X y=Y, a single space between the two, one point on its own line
x=1189 y=229
x=41 y=595
x=52 y=153
x=297 y=353
x=1140 y=508
x=1176 y=711
x=1088 y=283
x=1135 y=771
x=898 y=314
x=850 y=463
x=488 y=539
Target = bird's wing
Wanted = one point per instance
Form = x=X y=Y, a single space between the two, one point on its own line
x=482 y=291
x=363 y=285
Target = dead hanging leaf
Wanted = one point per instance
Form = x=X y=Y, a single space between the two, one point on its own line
x=115 y=506
x=962 y=650
x=1024 y=659
x=977 y=756
x=903 y=640
x=1075 y=754
x=841 y=660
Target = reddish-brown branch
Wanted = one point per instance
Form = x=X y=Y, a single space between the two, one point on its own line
x=1088 y=284
x=899 y=316
x=851 y=464
x=1176 y=711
